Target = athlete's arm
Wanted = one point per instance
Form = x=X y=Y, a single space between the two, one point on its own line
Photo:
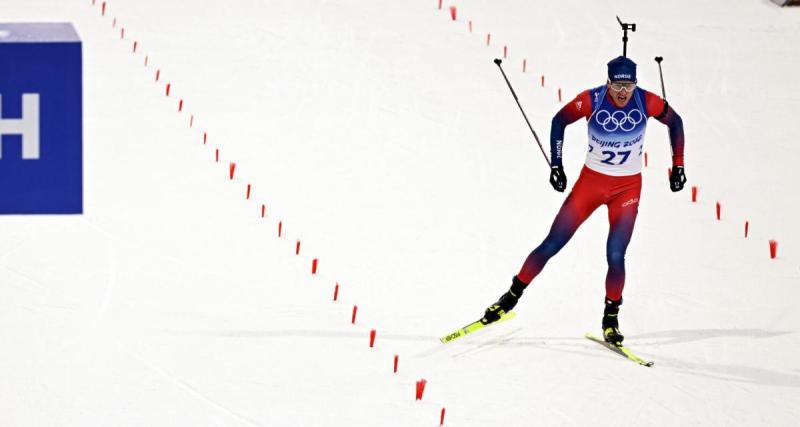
x=579 y=107
x=656 y=107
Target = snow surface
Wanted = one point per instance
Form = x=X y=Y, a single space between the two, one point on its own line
x=386 y=141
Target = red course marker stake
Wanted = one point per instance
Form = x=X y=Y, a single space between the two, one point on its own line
x=694 y=193
x=191 y=120
x=168 y=86
x=336 y=292
x=146 y=59
x=314 y=264
x=773 y=249
x=135 y=45
x=719 y=211
x=542 y=80
x=396 y=360
x=559 y=94
x=746 y=228
x=180 y=106
x=280 y=228
x=421 y=388
x=263 y=210
x=488 y=39
x=232 y=169
x=453 y=12
x=248 y=191
x=205 y=138
x=441 y=419
x=355 y=311
x=470 y=26
x=114 y=23
x=217 y=154
x=524 y=65
x=297 y=248
x=122 y=33
x=645 y=159
x=440 y=4
x=505 y=52
x=372 y=338
x=158 y=74
x=103 y=11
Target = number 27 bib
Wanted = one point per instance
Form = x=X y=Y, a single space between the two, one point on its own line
x=616 y=135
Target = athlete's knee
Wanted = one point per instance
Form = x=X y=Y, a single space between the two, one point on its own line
x=616 y=258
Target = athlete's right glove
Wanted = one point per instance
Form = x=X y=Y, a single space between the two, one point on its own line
x=677 y=179
x=558 y=179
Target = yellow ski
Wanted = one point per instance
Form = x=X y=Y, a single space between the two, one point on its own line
x=621 y=350
x=474 y=326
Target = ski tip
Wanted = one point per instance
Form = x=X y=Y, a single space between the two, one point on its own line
x=620 y=349
x=593 y=337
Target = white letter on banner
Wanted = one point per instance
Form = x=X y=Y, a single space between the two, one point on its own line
x=27 y=126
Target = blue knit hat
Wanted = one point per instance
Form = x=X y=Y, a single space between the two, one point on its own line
x=621 y=68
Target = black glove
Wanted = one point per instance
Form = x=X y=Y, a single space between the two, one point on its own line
x=677 y=179
x=558 y=179
x=506 y=303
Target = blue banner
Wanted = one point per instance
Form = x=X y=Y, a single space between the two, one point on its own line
x=41 y=115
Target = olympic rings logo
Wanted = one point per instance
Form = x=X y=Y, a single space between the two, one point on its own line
x=619 y=120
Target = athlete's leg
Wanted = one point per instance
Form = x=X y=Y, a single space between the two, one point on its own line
x=622 y=211
x=586 y=196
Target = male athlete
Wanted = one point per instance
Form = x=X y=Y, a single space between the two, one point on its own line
x=616 y=114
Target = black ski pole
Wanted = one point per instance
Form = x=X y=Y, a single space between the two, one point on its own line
x=536 y=137
x=660 y=74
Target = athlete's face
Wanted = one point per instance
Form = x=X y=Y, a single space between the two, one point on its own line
x=621 y=91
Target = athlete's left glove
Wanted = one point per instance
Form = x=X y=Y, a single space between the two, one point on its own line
x=677 y=179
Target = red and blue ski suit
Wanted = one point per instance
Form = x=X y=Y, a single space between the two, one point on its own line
x=611 y=175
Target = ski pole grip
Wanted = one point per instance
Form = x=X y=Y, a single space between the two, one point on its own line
x=498 y=61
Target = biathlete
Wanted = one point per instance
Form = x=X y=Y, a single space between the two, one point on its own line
x=616 y=114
